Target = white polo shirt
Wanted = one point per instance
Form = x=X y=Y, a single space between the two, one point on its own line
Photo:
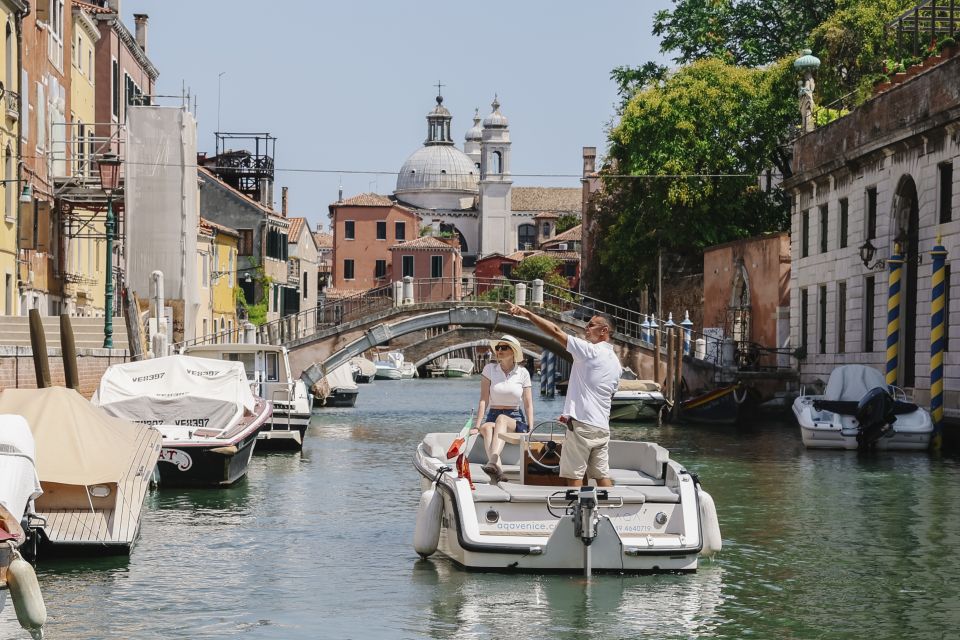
x=594 y=379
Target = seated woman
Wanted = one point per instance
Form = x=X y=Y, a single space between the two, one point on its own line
x=504 y=385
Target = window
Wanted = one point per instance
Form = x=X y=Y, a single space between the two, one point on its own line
x=946 y=192
x=546 y=229
x=868 y=310
x=436 y=266
x=348 y=269
x=381 y=229
x=231 y=271
x=205 y=260
x=844 y=213
x=871 y=213
x=822 y=318
x=497 y=162
x=115 y=88
x=9 y=186
x=407 y=264
x=273 y=367
x=400 y=230
x=380 y=269
x=304 y=285
x=41 y=118
x=804 y=234
x=526 y=236
x=569 y=269
x=506 y=269
x=841 y=317
x=804 y=320
x=277 y=244
x=824 y=224
x=349 y=230
x=245 y=246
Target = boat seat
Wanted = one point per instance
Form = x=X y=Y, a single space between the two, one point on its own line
x=489 y=493
x=480 y=476
x=630 y=495
x=633 y=478
x=646 y=458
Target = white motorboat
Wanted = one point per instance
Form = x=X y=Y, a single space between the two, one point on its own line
x=857 y=411
x=268 y=368
x=637 y=400
x=204 y=409
x=337 y=388
x=95 y=471
x=457 y=367
x=364 y=371
x=655 y=518
x=392 y=367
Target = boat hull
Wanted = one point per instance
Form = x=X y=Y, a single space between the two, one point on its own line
x=286 y=431
x=715 y=407
x=828 y=430
x=205 y=466
x=388 y=374
x=338 y=398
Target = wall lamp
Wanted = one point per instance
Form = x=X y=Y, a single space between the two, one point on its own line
x=867 y=251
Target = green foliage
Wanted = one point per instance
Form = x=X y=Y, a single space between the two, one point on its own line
x=824 y=116
x=256 y=312
x=566 y=222
x=500 y=293
x=946 y=42
x=538 y=266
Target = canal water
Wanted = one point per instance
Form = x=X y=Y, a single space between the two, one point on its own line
x=318 y=545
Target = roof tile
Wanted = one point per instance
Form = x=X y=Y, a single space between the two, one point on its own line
x=557 y=199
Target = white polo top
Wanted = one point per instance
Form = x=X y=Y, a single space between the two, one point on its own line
x=506 y=389
x=594 y=378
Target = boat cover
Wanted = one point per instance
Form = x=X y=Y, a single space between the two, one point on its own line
x=638 y=385
x=77 y=443
x=366 y=367
x=341 y=378
x=852 y=381
x=19 y=482
x=177 y=390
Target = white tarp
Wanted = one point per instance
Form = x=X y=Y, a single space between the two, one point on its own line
x=161 y=204
x=19 y=482
x=177 y=390
x=851 y=382
x=341 y=378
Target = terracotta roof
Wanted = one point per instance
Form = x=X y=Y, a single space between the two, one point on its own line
x=563 y=255
x=426 y=242
x=219 y=227
x=546 y=214
x=92 y=8
x=573 y=234
x=296 y=226
x=518 y=256
x=367 y=200
x=323 y=240
x=559 y=199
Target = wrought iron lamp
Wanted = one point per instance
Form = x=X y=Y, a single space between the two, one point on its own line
x=867 y=251
x=109 y=168
x=26 y=196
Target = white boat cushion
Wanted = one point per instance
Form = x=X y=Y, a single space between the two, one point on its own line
x=852 y=381
x=645 y=457
x=632 y=477
x=489 y=493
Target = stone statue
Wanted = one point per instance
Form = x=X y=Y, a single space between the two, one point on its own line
x=806 y=87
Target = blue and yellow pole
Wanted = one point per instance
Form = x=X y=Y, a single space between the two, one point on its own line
x=937 y=299
x=893 y=316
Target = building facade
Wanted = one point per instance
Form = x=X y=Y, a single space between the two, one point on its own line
x=302 y=266
x=11 y=14
x=878 y=183
x=435 y=263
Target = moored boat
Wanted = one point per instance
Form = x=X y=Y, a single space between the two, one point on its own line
x=204 y=409
x=336 y=389
x=457 y=367
x=364 y=371
x=268 y=368
x=718 y=406
x=656 y=517
x=637 y=400
x=94 y=469
x=858 y=411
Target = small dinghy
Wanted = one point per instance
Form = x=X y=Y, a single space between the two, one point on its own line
x=656 y=517
x=858 y=411
x=637 y=400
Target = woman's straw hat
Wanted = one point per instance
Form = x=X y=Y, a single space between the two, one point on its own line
x=514 y=345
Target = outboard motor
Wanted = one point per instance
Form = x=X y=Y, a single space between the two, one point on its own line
x=874 y=416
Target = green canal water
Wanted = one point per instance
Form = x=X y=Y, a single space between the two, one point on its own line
x=318 y=545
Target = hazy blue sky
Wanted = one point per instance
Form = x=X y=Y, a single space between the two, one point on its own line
x=345 y=86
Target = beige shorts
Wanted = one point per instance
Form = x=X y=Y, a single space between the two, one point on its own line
x=585 y=452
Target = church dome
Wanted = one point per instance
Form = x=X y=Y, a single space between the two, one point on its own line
x=495 y=119
x=438 y=167
x=475 y=134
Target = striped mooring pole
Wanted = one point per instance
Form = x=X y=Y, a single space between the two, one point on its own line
x=937 y=346
x=893 y=316
x=548 y=382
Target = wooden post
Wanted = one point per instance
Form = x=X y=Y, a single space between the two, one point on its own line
x=38 y=344
x=656 y=356
x=69 y=350
x=678 y=370
x=670 y=364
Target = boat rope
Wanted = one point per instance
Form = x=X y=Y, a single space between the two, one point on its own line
x=442 y=470
x=739 y=399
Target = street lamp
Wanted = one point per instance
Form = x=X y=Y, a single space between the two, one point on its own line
x=109 y=167
x=867 y=251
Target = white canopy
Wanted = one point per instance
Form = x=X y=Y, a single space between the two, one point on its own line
x=177 y=390
x=852 y=381
x=19 y=482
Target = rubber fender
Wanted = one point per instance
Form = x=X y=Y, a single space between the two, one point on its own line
x=426 y=535
x=229 y=450
x=709 y=524
x=25 y=593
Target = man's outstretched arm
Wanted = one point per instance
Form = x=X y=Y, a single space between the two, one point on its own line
x=543 y=324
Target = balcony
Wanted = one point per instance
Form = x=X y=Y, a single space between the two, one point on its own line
x=12 y=101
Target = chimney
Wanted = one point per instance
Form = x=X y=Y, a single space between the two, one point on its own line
x=115 y=5
x=589 y=161
x=283 y=201
x=140 y=20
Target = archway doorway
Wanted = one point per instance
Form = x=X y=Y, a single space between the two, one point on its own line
x=906 y=236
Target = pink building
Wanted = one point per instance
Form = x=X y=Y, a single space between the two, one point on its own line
x=436 y=264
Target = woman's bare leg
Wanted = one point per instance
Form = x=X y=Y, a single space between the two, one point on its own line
x=504 y=424
x=486 y=432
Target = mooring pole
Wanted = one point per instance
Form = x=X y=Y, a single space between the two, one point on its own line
x=893 y=317
x=937 y=308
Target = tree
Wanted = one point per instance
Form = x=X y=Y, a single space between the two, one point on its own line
x=566 y=222
x=697 y=143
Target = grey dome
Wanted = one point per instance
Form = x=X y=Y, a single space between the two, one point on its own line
x=495 y=119
x=475 y=132
x=440 y=167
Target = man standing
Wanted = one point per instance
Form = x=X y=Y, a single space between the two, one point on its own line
x=594 y=378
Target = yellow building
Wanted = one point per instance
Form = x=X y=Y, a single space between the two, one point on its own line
x=9 y=136
x=84 y=230
x=217 y=248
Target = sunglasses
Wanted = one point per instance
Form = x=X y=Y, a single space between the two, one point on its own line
x=503 y=347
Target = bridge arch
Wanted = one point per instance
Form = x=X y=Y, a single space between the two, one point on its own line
x=465 y=345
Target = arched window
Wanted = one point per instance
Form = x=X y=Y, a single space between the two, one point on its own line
x=497 y=162
x=8 y=51
x=526 y=236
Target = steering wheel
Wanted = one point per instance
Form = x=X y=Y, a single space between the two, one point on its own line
x=546 y=432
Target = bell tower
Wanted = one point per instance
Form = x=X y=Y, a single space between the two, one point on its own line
x=496 y=230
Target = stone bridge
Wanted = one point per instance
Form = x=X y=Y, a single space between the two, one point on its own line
x=402 y=327
x=423 y=352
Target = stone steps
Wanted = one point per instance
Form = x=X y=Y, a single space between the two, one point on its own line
x=87 y=332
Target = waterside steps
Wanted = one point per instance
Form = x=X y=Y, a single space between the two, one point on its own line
x=88 y=332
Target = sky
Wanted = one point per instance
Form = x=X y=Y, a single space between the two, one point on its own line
x=345 y=86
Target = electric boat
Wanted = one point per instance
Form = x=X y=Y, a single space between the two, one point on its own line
x=268 y=368
x=656 y=517
x=637 y=400
x=857 y=410
x=203 y=408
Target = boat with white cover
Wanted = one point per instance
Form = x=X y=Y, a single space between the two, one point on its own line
x=94 y=469
x=268 y=369
x=656 y=517
x=857 y=410
x=204 y=409
x=364 y=371
x=337 y=388
x=637 y=400
x=457 y=367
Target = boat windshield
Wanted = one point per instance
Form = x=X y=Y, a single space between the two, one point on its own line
x=248 y=360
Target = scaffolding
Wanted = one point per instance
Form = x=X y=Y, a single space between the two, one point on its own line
x=249 y=172
x=919 y=26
